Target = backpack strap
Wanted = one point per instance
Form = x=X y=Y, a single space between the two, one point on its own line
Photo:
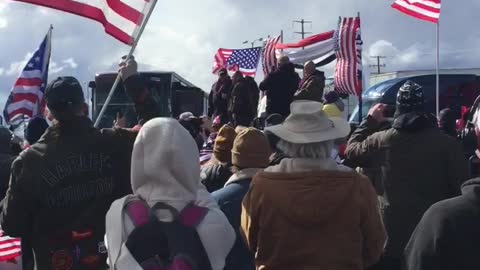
x=192 y=215
x=138 y=211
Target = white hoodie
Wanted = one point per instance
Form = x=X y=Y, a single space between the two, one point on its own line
x=165 y=169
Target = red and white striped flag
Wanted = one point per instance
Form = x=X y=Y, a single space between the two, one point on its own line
x=348 y=47
x=26 y=100
x=10 y=248
x=427 y=10
x=122 y=19
x=269 y=62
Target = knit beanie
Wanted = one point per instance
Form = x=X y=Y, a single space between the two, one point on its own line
x=410 y=99
x=222 y=150
x=251 y=149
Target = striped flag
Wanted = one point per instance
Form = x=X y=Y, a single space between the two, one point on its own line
x=121 y=19
x=27 y=96
x=427 y=10
x=269 y=62
x=319 y=48
x=308 y=41
x=348 y=47
x=243 y=60
x=10 y=248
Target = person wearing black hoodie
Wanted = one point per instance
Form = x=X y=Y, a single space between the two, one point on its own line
x=6 y=159
x=420 y=165
x=447 y=122
x=219 y=97
x=448 y=237
x=280 y=87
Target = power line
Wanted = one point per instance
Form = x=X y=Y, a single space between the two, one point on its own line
x=378 y=65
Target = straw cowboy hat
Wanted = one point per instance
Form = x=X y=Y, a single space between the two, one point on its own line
x=308 y=123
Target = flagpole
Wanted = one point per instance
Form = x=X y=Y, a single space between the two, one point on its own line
x=438 y=70
x=360 y=101
x=130 y=53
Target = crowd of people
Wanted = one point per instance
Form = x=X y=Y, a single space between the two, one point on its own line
x=293 y=187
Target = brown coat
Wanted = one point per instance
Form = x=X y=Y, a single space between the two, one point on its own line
x=312 y=220
x=312 y=88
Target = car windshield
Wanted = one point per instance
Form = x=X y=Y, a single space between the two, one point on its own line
x=379 y=89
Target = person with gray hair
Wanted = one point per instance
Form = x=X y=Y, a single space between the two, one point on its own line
x=308 y=212
x=312 y=85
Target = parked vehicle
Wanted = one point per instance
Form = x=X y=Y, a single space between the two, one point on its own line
x=174 y=95
x=455 y=91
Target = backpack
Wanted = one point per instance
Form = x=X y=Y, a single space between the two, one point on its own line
x=172 y=245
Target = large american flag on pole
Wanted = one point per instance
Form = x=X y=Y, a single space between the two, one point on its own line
x=348 y=47
x=121 y=19
x=243 y=60
x=427 y=10
x=269 y=62
x=26 y=99
x=10 y=248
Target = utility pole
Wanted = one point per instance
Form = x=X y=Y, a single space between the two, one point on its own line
x=303 y=22
x=378 y=65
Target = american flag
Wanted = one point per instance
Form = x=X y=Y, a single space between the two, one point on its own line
x=269 y=56
x=427 y=10
x=10 y=248
x=27 y=96
x=121 y=19
x=244 y=60
x=348 y=47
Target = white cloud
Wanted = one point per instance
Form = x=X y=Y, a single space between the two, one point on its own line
x=16 y=67
x=55 y=68
x=183 y=36
x=3 y=22
x=3 y=5
x=44 y=11
x=71 y=63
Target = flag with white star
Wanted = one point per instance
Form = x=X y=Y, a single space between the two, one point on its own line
x=26 y=99
x=243 y=60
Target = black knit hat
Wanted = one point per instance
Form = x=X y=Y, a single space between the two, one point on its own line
x=410 y=98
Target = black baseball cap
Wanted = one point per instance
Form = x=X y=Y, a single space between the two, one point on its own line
x=64 y=92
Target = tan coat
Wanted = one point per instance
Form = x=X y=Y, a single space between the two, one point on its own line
x=312 y=89
x=313 y=220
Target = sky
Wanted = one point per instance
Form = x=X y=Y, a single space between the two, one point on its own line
x=184 y=35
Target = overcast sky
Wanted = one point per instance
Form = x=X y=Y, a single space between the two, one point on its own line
x=183 y=35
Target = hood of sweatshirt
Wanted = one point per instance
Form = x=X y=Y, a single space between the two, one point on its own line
x=165 y=163
x=472 y=188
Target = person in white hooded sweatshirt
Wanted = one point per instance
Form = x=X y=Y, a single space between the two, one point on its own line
x=165 y=169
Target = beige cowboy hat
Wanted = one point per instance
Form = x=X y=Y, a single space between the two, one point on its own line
x=308 y=123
